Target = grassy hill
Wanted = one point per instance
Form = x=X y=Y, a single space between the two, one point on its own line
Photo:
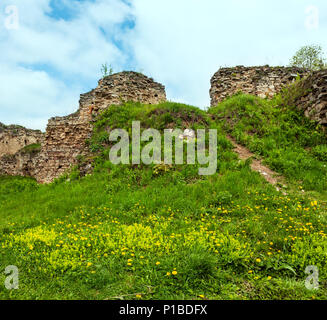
x=164 y=232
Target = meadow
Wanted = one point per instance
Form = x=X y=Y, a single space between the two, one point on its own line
x=164 y=232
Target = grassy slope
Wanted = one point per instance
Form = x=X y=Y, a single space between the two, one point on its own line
x=288 y=142
x=123 y=232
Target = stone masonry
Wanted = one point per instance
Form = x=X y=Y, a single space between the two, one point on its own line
x=14 y=159
x=263 y=81
x=13 y=138
x=310 y=95
x=65 y=136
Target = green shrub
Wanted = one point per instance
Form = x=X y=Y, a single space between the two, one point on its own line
x=320 y=152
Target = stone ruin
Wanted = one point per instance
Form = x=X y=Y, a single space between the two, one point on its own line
x=65 y=137
x=15 y=159
x=309 y=94
x=263 y=81
x=14 y=138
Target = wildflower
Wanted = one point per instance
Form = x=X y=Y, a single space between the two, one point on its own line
x=138 y=296
x=314 y=203
x=258 y=260
x=174 y=273
x=157 y=263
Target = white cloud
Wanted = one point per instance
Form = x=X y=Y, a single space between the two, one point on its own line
x=31 y=96
x=182 y=43
x=47 y=61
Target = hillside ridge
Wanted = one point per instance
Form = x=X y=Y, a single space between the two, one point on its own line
x=64 y=140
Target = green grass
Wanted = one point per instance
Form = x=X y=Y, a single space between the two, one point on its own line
x=288 y=142
x=127 y=232
x=32 y=148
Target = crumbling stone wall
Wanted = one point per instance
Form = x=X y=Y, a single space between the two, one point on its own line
x=65 y=136
x=14 y=138
x=122 y=87
x=310 y=95
x=19 y=164
x=263 y=81
x=14 y=159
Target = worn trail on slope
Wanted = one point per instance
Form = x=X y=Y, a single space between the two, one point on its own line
x=244 y=154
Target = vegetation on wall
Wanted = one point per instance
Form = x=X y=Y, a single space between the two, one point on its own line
x=32 y=148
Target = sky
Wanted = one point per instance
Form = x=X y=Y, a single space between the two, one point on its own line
x=51 y=51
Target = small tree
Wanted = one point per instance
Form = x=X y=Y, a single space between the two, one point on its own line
x=106 y=70
x=309 y=57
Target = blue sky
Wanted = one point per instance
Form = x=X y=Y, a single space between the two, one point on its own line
x=55 y=52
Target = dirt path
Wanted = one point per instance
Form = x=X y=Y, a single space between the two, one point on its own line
x=244 y=154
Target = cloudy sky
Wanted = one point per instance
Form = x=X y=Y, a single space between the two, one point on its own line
x=52 y=50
